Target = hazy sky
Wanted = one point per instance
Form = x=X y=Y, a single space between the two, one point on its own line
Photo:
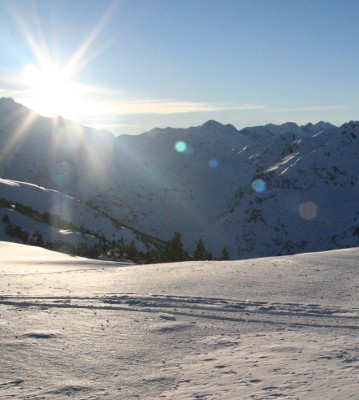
x=131 y=65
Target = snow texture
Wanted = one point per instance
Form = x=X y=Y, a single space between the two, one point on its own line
x=280 y=327
x=58 y=204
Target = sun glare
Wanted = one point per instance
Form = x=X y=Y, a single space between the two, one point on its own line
x=49 y=88
x=51 y=91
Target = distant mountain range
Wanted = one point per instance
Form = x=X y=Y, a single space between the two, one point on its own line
x=259 y=191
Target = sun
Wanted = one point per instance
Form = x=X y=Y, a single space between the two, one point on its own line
x=51 y=90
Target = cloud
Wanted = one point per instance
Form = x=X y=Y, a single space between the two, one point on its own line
x=171 y=106
x=100 y=102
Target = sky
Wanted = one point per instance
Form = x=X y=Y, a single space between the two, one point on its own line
x=131 y=65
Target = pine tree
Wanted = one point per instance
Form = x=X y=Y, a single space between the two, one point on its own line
x=37 y=239
x=173 y=250
x=200 y=252
x=225 y=254
x=6 y=220
x=132 y=251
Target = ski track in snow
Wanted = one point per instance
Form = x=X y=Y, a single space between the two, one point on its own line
x=292 y=314
x=252 y=330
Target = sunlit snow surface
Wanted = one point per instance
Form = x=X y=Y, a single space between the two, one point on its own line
x=284 y=327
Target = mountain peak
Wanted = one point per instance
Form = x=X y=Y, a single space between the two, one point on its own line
x=8 y=103
x=212 y=124
x=280 y=183
x=351 y=124
x=9 y=108
x=318 y=127
x=6 y=100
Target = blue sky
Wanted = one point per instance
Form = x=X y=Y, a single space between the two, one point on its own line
x=131 y=65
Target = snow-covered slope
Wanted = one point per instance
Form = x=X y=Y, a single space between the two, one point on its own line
x=280 y=327
x=58 y=218
x=273 y=189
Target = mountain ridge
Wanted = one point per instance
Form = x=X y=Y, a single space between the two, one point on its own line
x=258 y=191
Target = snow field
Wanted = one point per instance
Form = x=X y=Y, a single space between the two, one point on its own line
x=284 y=327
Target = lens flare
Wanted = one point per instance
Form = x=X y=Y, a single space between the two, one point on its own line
x=308 y=210
x=63 y=207
x=62 y=173
x=180 y=146
x=258 y=185
x=213 y=163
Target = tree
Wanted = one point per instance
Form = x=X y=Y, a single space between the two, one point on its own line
x=37 y=239
x=5 y=219
x=173 y=250
x=225 y=254
x=24 y=237
x=131 y=251
x=151 y=257
x=200 y=252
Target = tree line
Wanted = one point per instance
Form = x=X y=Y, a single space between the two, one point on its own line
x=166 y=251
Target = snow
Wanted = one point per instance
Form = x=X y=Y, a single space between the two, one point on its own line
x=58 y=204
x=253 y=329
x=202 y=189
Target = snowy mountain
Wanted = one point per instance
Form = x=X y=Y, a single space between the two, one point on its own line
x=49 y=218
x=259 y=191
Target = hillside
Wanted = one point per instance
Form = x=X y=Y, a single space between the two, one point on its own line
x=259 y=191
x=49 y=218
